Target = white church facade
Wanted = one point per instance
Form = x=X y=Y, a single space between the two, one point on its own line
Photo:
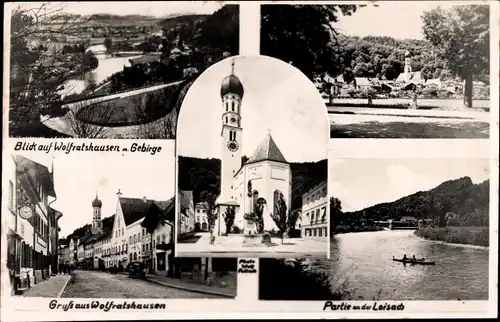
x=261 y=180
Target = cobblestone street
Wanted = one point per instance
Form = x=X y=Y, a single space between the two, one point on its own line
x=92 y=284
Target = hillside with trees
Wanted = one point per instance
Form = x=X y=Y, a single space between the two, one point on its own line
x=202 y=176
x=107 y=227
x=457 y=202
x=456 y=44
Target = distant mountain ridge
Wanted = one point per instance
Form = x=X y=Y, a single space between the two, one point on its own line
x=460 y=196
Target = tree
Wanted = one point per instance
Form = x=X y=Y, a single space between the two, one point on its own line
x=461 y=37
x=38 y=67
x=304 y=36
x=108 y=43
x=280 y=216
x=229 y=216
x=210 y=197
x=336 y=213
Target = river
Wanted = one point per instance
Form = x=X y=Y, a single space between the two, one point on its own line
x=364 y=261
x=108 y=65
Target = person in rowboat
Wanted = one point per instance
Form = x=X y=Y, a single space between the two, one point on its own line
x=414 y=258
x=405 y=258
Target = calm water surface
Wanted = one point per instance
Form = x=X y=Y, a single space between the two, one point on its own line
x=364 y=261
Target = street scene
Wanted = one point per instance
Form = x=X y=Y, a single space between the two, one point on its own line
x=253 y=194
x=427 y=80
x=91 y=236
x=85 y=71
x=402 y=229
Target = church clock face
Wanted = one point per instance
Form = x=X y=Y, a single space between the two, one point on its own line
x=233 y=120
x=232 y=146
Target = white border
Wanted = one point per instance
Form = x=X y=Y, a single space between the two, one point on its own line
x=32 y=309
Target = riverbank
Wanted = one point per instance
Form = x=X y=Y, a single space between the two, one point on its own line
x=355 y=229
x=477 y=236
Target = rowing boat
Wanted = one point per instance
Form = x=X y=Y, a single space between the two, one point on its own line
x=418 y=261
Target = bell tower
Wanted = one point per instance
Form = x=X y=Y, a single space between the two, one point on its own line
x=407 y=68
x=231 y=132
x=96 y=216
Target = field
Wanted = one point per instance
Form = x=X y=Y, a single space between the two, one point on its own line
x=400 y=130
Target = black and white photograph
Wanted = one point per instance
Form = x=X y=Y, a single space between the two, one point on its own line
x=79 y=227
x=110 y=70
x=401 y=229
x=390 y=69
x=252 y=153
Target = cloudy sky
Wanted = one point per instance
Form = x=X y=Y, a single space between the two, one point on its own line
x=78 y=176
x=147 y=8
x=399 y=19
x=360 y=183
x=277 y=97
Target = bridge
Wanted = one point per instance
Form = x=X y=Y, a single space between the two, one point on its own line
x=89 y=101
x=396 y=225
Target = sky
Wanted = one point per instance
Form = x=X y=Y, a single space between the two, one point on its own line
x=278 y=98
x=361 y=183
x=78 y=176
x=399 y=19
x=147 y=8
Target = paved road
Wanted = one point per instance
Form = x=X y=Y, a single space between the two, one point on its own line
x=90 y=284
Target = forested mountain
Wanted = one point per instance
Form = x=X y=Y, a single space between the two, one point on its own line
x=383 y=58
x=466 y=202
x=107 y=227
x=201 y=175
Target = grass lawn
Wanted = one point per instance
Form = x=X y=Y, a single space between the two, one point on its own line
x=400 y=130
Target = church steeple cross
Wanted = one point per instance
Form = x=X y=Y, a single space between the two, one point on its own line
x=232 y=67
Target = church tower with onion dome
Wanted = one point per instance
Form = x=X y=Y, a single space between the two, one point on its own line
x=231 y=132
x=255 y=186
x=96 y=217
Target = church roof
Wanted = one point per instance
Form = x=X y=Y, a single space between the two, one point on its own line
x=267 y=150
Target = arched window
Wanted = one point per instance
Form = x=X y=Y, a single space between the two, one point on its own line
x=232 y=106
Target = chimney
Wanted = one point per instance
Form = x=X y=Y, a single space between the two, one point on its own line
x=119 y=193
x=145 y=199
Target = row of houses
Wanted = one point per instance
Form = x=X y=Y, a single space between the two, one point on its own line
x=312 y=220
x=398 y=86
x=140 y=230
x=29 y=222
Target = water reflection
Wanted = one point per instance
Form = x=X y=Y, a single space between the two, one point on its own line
x=365 y=261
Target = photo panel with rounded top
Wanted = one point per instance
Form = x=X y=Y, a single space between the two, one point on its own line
x=251 y=154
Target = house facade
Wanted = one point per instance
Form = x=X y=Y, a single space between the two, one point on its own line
x=315 y=211
x=27 y=222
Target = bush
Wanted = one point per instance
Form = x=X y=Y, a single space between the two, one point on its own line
x=478 y=236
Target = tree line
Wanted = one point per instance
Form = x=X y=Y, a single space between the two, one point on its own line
x=457 y=202
x=456 y=44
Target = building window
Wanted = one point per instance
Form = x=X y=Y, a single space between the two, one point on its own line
x=123 y=232
x=232 y=106
x=226 y=119
x=164 y=237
